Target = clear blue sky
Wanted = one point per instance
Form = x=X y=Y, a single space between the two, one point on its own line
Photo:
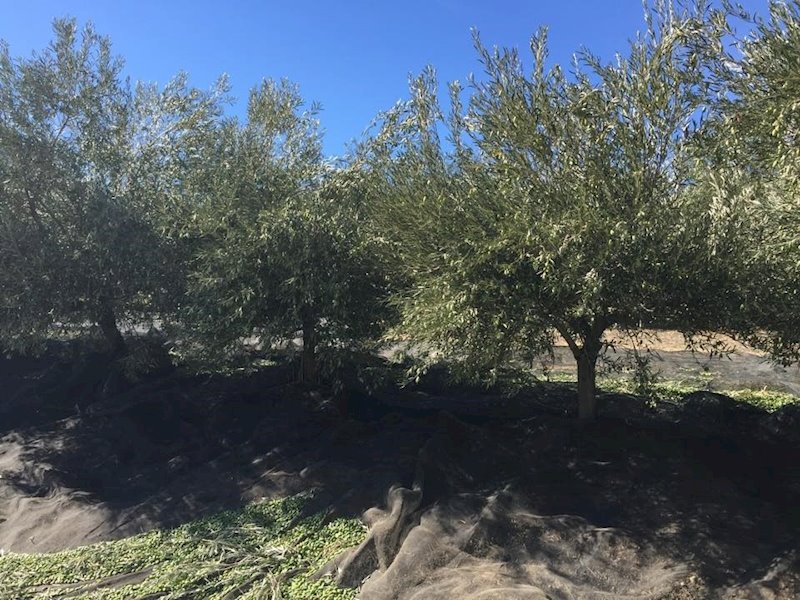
x=353 y=56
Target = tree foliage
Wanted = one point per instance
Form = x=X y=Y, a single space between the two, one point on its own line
x=560 y=203
x=280 y=242
x=655 y=191
x=751 y=167
x=762 y=94
x=84 y=160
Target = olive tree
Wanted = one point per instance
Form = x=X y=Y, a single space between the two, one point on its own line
x=280 y=247
x=561 y=204
x=753 y=160
x=759 y=143
x=85 y=162
x=761 y=104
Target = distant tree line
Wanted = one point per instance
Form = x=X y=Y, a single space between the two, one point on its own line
x=659 y=190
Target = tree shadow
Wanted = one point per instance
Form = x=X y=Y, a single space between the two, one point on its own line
x=176 y=447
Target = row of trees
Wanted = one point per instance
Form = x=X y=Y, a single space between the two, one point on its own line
x=656 y=191
x=126 y=205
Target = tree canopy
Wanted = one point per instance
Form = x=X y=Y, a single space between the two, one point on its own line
x=83 y=161
x=280 y=248
x=655 y=191
x=561 y=204
x=750 y=161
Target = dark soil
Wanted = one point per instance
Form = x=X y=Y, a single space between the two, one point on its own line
x=468 y=494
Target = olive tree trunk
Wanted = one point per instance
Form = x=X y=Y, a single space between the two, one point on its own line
x=107 y=321
x=586 y=354
x=587 y=389
x=308 y=373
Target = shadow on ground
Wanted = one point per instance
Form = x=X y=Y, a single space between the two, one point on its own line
x=468 y=494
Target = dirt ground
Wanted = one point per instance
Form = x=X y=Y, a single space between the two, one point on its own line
x=467 y=494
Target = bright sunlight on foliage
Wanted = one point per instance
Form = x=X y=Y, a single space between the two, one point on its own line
x=261 y=551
